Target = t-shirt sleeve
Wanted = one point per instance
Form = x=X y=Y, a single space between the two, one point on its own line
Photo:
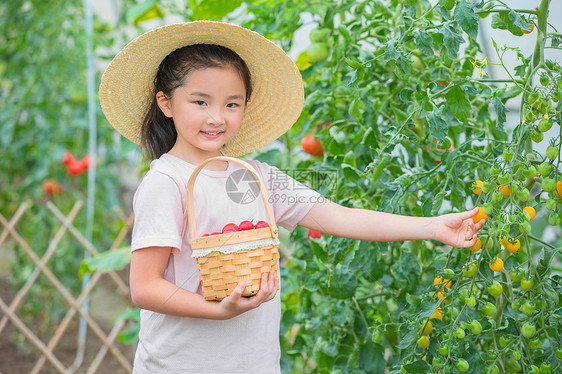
x=159 y=213
x=290 y=199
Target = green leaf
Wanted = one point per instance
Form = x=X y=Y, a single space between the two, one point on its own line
x=516 y=19
x=505 y=21
x=467 y=19
x=500 y=109
x=451 y=41
x=437 y=126
x=424 y=42
x=212 y=9
x=458 y=103
x=343 y=283
x=391 y=53
x=447 y=4
x=115 y=259
x=417 y=367
x=143 y=11
x=371 y=357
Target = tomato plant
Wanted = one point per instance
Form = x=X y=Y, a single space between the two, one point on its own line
x=393 y=143
x=399 y=82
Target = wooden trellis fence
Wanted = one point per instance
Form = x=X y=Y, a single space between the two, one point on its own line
x=8 y=309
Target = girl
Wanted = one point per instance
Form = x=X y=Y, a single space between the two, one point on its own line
x=192 y=91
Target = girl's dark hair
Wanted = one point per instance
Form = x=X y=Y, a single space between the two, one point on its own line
x=158 y=134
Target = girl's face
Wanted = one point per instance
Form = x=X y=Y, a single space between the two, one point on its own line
x=207 y=112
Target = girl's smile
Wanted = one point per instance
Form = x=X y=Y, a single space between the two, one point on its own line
x=207 y=112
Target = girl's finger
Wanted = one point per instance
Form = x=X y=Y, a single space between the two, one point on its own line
x=468 y=214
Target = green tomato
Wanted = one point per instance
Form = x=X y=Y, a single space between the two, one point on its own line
x=533 y=369
x=462 y=365
x=552 y=152
x=515 y=304
x=525 y=228
x=469 y=270
x=444 y=350
x=512 y=366
x=470 y=301
x=491 y=354
x=533 y=98
x=546 y=368
x=448 y=273
x=318 y=52
x=523 y=194
x=505 y=341
x=475 y=327
x=495 y=170
x=516 y=275
x=528 y=308
x=544 y=79
x=548 y=184
x=437 y=361
x=528 y=329
x=550 y=204
x=534 y=343
x=490 y=309
x=536 y=135
x=495 y=289
x=459 y=333
x=527 y=284
x=320 y=35
x=488 y=208
x=508 y=154
x=503 y=178
x=544 y=125
x=554 y=219
x=497 y=196
x=557 y=95
x=493 y=370
x=545 y=168
x=487 y=186
x=530 y=171
x=559 y=353
x=516 y=355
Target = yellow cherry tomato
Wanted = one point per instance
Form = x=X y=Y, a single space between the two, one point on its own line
x=476 y=246
x=423 y=342
x=496 y=264
x=513 y=245
x=480 y=215
x=476 y=187
x=441 y=296
x=426 y=328
x=438 y=314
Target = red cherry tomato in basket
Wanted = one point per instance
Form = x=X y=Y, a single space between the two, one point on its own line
x=261 y=224
x=231 y=227
x=245 y=225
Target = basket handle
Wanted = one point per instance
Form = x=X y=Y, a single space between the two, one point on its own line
x=247 y=166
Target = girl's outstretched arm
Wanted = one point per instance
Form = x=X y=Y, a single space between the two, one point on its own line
x=455 y=229
x=149 y=290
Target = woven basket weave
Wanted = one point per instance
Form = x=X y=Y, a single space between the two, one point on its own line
x=219 y=272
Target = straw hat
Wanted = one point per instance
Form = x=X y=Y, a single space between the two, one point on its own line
x=127 y=86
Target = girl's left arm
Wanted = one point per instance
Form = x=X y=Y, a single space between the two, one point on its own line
x=455 y=229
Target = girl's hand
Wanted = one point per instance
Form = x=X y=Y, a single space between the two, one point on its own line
x=457 y=229
x=235 y=304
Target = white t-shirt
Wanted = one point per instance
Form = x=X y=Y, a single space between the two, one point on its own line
x=248 y=343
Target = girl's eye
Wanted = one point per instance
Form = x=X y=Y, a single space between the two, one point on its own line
x=232 y=105
x=200 y=102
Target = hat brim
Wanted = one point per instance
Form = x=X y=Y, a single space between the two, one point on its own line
x=127 y=85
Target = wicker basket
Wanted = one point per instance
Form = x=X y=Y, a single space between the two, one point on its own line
x=257 y=252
